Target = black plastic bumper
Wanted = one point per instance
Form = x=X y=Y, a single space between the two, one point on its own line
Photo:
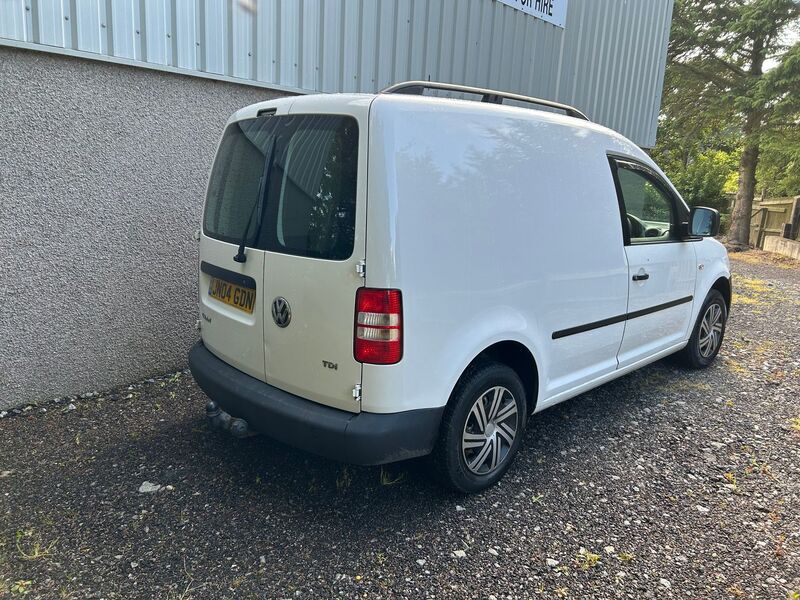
x=358 y=438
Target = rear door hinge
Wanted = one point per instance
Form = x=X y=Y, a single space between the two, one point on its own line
x=361 y=268
x=357 y=392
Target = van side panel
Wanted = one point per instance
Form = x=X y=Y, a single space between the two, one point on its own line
x=500 y=225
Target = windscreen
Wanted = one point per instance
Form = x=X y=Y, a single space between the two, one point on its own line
x=286 y=184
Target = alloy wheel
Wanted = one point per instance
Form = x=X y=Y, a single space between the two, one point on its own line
x=711 y=330
x=490 y=430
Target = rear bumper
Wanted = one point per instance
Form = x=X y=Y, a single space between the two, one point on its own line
x=358 y=438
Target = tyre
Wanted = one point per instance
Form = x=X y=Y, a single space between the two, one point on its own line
x=707 y=335
x=482 y=428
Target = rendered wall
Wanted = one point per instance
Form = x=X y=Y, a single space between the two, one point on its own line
x=102 y=175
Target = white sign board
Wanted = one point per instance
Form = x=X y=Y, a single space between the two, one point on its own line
x=552 y=11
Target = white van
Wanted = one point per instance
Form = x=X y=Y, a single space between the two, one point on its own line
x=394 y=275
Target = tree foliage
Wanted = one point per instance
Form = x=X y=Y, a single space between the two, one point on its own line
x=779 y=168
x=697 y=146
x=732 y=100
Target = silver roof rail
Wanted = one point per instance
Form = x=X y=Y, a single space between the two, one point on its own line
x=492 y=96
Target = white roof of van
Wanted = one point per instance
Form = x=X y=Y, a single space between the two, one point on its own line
x=346 y=103
x=340 y=101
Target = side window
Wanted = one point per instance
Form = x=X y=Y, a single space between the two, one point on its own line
x=649 y=211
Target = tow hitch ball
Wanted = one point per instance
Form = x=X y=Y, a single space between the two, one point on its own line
x=221 y=420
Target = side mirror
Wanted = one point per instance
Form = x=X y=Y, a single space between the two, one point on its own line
x=703 y=222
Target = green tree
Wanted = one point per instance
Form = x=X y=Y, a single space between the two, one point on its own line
x=718 y=50
x=703 y=180
x=779 y=165
x=696 y=144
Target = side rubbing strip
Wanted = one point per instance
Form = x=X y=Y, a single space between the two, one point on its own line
x=244 y=281
x=620 y=318
x=652 y=309
x=588 y=326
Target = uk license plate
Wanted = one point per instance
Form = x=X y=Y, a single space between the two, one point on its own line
x=233 y=295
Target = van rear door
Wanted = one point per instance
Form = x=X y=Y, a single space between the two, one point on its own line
x=231 y=291
x=313 y=234
x=309 y=240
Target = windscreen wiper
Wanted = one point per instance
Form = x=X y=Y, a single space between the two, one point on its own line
x=263 y=182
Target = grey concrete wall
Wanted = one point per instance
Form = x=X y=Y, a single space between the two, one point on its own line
x=779 y=245
x=102 y=176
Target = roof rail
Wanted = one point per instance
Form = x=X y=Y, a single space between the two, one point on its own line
x=492 y=96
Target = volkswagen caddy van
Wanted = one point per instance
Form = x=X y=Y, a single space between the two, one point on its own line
x=403 y=274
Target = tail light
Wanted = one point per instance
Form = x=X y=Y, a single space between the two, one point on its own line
x=378 y=336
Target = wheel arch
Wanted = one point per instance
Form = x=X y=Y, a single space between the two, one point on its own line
x=723 y=286
x=517 y=356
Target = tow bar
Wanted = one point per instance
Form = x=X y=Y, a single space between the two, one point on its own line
x=221 y=420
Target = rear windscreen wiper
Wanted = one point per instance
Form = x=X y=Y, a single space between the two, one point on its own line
x=263 y=182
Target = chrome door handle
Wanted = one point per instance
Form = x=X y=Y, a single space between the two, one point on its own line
x=641 y=276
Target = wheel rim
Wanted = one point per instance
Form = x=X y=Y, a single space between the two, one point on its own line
x=490 y=430
x=711 y=330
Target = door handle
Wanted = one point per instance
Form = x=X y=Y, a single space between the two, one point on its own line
x=641 y=276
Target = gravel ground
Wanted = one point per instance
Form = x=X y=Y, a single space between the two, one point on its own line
x=664 y=484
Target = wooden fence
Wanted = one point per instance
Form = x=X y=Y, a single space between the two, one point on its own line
x=775 y=216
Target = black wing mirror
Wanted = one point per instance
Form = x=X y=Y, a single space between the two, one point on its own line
x=703 y=222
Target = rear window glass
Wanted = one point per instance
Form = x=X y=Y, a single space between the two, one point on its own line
x=286 y=184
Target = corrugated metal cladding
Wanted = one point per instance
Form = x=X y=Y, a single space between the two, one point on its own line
x=608 y=60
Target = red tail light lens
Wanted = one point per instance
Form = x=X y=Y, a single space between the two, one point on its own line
x=378 y=337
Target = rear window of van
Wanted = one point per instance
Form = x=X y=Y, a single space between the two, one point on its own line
x=286 y=184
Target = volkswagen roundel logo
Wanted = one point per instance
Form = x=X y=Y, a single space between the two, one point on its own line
x=281 y=313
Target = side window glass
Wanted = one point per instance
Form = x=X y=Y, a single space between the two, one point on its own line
x=650 y=212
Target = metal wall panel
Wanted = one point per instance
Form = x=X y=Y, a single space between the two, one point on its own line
x=187 y=43
x=87 y=25
x=52 y=25
x=12 y=19
x=157 y=29
x=215 y=36
x=368 y=53
x=350 y=51
x=268 y=51
x=332 y=40
x=124 y=26
x=241 y=28
x=608 y=60
x=289 y=49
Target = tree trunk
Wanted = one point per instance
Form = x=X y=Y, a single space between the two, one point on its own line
x=739 y=234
